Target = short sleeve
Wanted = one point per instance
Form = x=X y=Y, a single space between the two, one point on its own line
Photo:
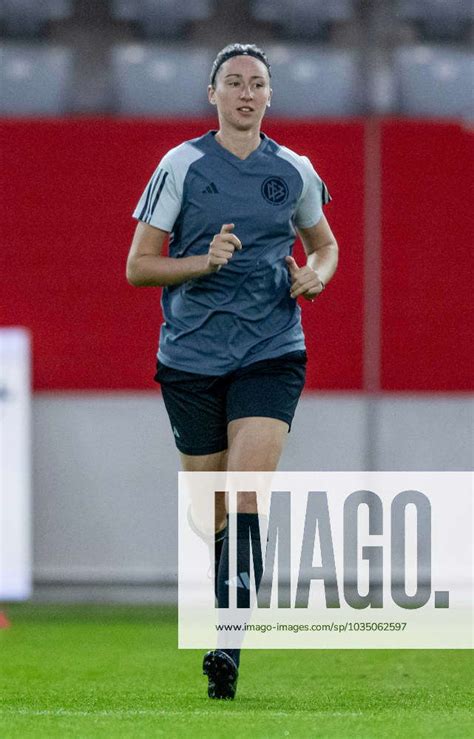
x=160 y=202
x=314 y=195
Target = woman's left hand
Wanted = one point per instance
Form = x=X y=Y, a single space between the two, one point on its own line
x=304 y=280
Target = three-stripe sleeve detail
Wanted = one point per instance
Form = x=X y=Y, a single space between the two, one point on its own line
x=152 y=195
x=156 y=197
x=151 y=186
x=325 y=194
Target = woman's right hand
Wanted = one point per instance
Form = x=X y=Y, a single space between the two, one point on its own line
x=222 y=247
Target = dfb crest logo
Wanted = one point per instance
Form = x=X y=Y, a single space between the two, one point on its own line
x=275 y=190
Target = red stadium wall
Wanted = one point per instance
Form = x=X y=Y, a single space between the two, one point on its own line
x=427 y=238
x=69 y=187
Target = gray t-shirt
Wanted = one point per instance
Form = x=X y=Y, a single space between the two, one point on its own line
x=243 y=313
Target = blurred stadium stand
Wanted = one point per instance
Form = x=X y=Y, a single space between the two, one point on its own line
x=312 y=19
x=315 y=81
x=30 y=18
x=157 y=18
x=35 y=79
x=435 y=81
x=409 y=57
x=438 y=20
x=146 y=78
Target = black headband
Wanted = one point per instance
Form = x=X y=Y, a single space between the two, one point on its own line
x=238 y=50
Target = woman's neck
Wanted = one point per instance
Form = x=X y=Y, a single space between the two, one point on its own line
x=239 y=143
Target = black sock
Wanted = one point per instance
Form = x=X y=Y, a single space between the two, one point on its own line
x=247 y=529
x=219 y=543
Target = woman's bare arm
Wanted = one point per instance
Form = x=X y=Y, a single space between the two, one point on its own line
x=146 y=267
x=322 y=251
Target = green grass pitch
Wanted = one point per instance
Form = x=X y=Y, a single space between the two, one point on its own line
x=115 y=671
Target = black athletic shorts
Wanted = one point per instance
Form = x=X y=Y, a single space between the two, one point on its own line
x=200 y=406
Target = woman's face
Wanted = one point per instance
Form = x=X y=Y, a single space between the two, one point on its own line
x=241 y=92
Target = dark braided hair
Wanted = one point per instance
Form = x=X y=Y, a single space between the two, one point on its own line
x=238 y=50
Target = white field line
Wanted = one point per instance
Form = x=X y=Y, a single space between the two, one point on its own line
x=160 y=712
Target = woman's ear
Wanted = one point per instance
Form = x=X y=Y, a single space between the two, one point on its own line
x=211 y=94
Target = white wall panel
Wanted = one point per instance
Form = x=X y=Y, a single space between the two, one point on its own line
x=105 y=474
